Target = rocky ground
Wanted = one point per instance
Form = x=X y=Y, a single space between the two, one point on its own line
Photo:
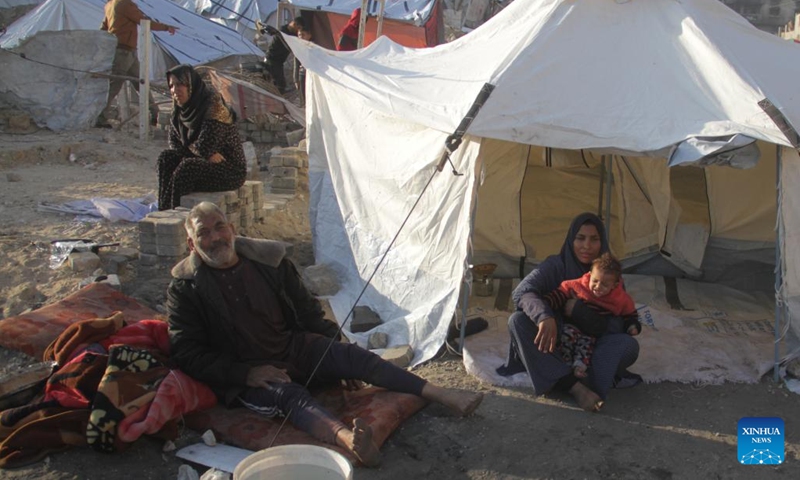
x=659 y=431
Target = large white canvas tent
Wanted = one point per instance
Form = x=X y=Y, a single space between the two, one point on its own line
x=197 y=41
x=635 y=86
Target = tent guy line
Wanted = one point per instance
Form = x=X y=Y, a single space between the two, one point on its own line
x=95 y=74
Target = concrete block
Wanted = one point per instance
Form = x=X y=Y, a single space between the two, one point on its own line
x=172 y=250
x=147 y=259
x=275 y=161
x=283 y=191
x=170 y=227
x=284 y=172
x=293 y=161
x=377 y=340
x=284 y=183
x=399 y=356
x=147 y=225
x=364 y=319
x=82 y=261
x=148 y=248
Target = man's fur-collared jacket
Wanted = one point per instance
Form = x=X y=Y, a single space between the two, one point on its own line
x=201 y=336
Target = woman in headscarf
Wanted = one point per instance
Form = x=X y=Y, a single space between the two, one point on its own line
x=348 y=37
x=535 y=329
x=205 y=152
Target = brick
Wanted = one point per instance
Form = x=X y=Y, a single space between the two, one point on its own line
x=81 y=261
x=147 y=225
x=170 y=227
x=285 y=172
x=283 y=191
x=293 y=161
x=147 y=249
x=275 y=161
x=284 y=183
x=172 y=250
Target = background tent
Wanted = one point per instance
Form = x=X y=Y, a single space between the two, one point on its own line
x=239 y=15
x=640 y=82
x=198 y=40
x=412 y=23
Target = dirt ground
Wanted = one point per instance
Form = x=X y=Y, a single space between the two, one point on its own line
x=660 y=431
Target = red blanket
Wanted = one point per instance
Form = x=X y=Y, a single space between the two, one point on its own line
x=113 y=385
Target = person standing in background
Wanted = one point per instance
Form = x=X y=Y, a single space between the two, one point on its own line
x=278 y=51
x=348 y=37
x=122 y=18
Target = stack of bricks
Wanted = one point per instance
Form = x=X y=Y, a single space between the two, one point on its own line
x=251 y=204
x=266 y=132
x=286 y=166
x=243 y=207
x=163 y=233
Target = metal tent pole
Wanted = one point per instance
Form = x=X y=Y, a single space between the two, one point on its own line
x=144 y=74
x=607 y=219
x=778 y=264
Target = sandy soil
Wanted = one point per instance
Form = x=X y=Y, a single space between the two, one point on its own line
x=659 y=431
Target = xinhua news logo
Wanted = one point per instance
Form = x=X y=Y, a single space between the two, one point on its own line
x=760 y=441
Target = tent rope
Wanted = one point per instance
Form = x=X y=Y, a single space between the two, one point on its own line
x=451 y=144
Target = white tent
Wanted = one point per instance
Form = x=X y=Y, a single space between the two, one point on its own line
x=239 y=15
x=17 y=3
x=632 y=85
x=197 y=41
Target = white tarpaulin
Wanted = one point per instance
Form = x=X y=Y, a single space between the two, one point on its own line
x=638 y=76
x=197 y=41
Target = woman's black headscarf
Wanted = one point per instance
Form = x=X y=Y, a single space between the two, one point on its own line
x=203 y=103
x=573 y=267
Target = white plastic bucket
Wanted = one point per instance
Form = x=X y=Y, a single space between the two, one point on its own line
x=294 y=462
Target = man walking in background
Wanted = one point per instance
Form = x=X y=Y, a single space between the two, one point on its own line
x=278 y=51
x=122 y=18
